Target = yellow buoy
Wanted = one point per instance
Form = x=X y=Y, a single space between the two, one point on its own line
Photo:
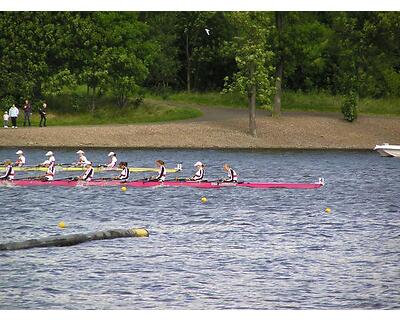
x=123 y=189
x=328 y=210
x=62 y=224
x=141 y=232
x=204 y=199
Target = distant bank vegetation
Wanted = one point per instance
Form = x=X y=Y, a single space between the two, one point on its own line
x=102 y=65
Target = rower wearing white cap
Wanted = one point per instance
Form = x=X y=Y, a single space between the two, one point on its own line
x=21 y=158
x=199 y=175
x=113 y=161
x=82 y=161
x=51 y=159
x=9 y=174
x=89 y=173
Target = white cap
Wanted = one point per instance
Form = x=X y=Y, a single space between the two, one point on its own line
x=19 y=152
x=111 y=154
x=79 y=152
x=48 y=154
x=198 y=163
x=88 y=163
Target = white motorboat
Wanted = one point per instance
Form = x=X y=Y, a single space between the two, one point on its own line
x=388 y=150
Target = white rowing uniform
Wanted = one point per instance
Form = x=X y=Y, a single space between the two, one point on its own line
x=9 y=175
x=113 y=162
x=124 y=174
x=49 y=161
x=51 y=171
x=161 y=174
x=83 y=161
x=199 y=175
x=232 y=176
x=88 y=175
x=21 y=161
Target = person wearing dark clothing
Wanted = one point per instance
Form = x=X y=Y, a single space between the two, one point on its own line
x=42 y=112
x=27 y=113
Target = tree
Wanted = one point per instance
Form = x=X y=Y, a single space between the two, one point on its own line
x=253 y=56
x=279 y=18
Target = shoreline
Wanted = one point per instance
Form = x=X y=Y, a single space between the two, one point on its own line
x=249 y=149
x=219 y=129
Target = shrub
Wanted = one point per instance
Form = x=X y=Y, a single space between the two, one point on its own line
x=349 y=107
x=6 y=103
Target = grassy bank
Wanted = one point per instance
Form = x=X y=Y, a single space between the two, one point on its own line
x=291 y=101
x=145 y=113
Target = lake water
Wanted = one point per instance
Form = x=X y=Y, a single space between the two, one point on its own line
x=243 y=248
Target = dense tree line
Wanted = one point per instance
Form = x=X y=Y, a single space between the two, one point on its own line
x=255 y=53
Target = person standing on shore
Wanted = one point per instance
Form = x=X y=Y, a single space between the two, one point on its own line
x=5 y=119
x=43 y=112
x=13 y=113
x=27 y=113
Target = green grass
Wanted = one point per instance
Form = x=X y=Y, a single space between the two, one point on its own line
x=291 y=101
x=146 y=113
x=214 y=99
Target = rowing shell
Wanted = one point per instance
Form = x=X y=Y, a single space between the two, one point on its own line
x=147 y=184
x=96 y=169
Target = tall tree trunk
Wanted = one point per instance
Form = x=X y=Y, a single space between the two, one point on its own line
x=276 y=112
x=187 y=62
x=93 y=106
x=278 y=91
x=252 y=104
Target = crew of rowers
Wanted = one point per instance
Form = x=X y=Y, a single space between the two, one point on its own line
x=88 y=175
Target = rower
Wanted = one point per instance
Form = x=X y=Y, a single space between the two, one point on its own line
x=232 y=176
x=113 y=161
x=124 y=176
x=89 y=173
x=199 y=175
x=82 y=160
x=51 y=171
x=161 y=172
x=51 y=159
x=21 y=158
x=9 y=174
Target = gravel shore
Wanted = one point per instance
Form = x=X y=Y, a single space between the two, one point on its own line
x=219 y=128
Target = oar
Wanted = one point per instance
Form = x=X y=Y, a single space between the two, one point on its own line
x=31 y=178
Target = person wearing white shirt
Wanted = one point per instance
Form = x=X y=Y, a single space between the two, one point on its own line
x=50 y=160
x=113 y=161
x=13 y=113
x=21 y=158
x=5 y=119
x=82 y=161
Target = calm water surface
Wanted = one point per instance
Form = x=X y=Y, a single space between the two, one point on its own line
x=254 y=249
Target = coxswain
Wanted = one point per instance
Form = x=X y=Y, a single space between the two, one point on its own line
x=89 y=173
x=9 y=174
x=82 y=160
x=51 y=159
x=21 y=158
x=162 y=172
x=113 y=160
x=232 y=176
x=199 y=175
x=124 y=176
x=51 y=171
